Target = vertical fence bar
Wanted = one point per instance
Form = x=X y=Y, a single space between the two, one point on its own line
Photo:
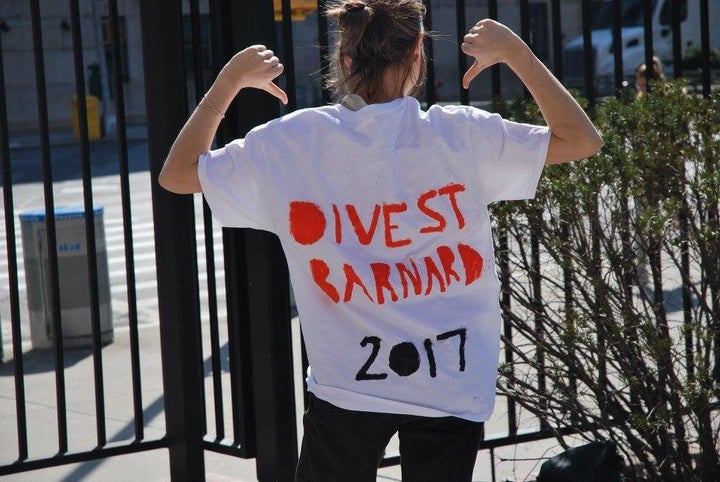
x=589 y=52
x=568 y=291
x=324 y=40
x=618 y=45
x=124 y=169
x=90 y=244
x=538 y=313
x=662 y=357
x=18 y=358
x=226 y=42
x=689 y=325
x=239 y=341
x=557 y=40
x=705 y=46
x=288 y=51
x=493 y=477
x=525 y=32
x=629 y=279
x=675 y=19
x=685 y=275
x=215 y=362
x=166 y=100
x=596 y=267
x=272 y=358
x=505 y=297
x=305 y=364
x=461 y=25
x=495 y=69
x=525 y=21
x=430 y=92
x=195 y=39
x=50 y=225
x=648 y=35
x=268 y=291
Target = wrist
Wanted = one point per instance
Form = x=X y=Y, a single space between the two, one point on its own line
x=222 y=92
x=520 y=57
x=519 y=53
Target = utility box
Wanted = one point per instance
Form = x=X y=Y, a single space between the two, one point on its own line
x=92 y=105
x=73 y=278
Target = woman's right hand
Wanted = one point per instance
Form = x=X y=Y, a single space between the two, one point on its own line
x=489 y=42
x=255 y=67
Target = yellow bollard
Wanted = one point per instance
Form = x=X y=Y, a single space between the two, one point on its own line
x=93 y=117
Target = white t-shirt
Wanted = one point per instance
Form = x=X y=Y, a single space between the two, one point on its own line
x=382 y=214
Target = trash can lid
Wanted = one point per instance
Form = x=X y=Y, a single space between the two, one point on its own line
x=61 y=212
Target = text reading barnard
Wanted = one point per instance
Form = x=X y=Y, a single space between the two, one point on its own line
x=407 y=278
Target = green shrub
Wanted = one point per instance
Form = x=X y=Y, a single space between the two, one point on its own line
x=614 y=290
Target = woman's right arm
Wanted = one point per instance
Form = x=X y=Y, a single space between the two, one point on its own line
x=255 y=67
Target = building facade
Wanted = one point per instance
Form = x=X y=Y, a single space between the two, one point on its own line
x=16 y=36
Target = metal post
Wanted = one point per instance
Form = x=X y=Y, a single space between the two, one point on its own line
x=618 y=45
x=268 y=288
x=461 y=25
x=224 y=44
x=129 y=250
x=324 y=40
x=288 y=55
x=649 y=52
x=495 y=69
x=430 y=92
x=49 y=196
x=705 y=46
x=589 y=67
x=272 y=358
x=259 y=298
x=557 y=40
x=90 y=235
x=166 y=99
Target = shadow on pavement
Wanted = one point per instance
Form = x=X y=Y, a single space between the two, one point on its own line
x=42 y=361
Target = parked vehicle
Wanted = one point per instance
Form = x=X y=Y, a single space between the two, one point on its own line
x=633 y=39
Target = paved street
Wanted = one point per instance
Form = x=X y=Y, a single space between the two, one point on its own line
x=42 y=422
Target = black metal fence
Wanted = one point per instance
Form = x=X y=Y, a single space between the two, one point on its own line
x=258 y=353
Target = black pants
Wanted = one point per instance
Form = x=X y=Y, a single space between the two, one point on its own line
x=345 y=445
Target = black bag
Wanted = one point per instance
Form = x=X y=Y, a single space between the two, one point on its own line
x=594 y=462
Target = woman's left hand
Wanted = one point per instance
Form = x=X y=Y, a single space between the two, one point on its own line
x=256 y=67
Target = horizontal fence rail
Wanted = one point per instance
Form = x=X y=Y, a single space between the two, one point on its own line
x=232 y=358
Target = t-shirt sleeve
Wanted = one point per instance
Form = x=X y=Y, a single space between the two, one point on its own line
x=511 y=155
x=234 y=183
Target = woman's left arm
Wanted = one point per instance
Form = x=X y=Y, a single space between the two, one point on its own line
x=255 y=67
x=573 y=135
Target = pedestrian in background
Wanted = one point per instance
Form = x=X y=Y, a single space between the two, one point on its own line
x=641 y=81
x=381 y=209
